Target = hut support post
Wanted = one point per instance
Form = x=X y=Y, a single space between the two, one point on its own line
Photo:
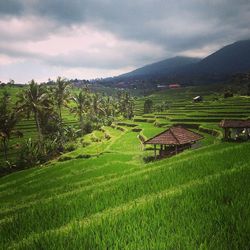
x=155 y=151
x=226 y=133
x=176 y=150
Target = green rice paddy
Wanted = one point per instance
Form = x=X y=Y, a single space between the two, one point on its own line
x=103 y=195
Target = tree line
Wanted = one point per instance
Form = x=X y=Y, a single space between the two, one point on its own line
x=150 y=107
x=45 y=104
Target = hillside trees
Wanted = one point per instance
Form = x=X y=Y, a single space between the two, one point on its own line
x=95 y=110
x=82 y=106
x=45 y=104
x=97 y=105
x=35 y=99
x=8 y=120
x=110 y=108
x=61 y=94
x=125 y=104
x=228 y=93
x=148 y=106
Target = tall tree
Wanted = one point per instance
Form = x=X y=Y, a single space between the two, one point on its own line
x=82 y=106
x=108 y=106
x=148 y=106
x=62 y=94
x=126 y=105
x=8 y=120
x=97 y=103
x=35 y=99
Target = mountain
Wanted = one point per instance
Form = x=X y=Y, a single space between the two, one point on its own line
x=162 y=68
x=232 y=58
x=217 y=67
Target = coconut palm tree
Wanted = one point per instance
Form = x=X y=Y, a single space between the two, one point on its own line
x=97 y=103
x=62 y=94
x=82 y=106
x=108 y=106
x=35 y=99
x=126 y=106
x=8 y=121
x=148 y=106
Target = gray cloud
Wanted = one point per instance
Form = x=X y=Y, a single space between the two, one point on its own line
x=175 y=26
x=10 y=7
x=108 y=58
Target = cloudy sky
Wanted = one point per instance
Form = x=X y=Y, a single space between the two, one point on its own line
x=43 y=39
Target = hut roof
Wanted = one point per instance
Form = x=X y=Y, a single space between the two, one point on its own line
x=197 y=97
x=175 y=136
x=235 y=124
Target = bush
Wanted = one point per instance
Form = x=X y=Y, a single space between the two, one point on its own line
x=95 y=139
x=33 y=153
x=228 y=94
x=7 y=168
x=29 y=154
x=88 y=127
x=107 y=136
x=70 y=147
x=84 y=143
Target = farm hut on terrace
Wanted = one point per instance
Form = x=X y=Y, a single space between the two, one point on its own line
x=173 y=141
x=236 y=129
x=198 y=99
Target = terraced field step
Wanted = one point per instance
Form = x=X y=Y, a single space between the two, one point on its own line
x=124 y=208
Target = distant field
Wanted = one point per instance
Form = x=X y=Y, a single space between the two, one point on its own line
x=103 y=195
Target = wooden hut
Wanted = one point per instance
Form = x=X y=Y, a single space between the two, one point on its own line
x=198 y=99
x=235 y=129
x=173 y=141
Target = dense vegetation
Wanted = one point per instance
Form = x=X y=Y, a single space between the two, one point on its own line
x=103 y=193
x=44 y=110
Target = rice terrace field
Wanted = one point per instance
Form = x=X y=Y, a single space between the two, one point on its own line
x=109 y=193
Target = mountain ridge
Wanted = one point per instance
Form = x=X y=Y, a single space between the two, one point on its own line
x=168 y=65
x=216 y=67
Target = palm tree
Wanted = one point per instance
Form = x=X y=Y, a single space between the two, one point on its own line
x=61 y=94
x=126 y=106
x=82 y=102
x=148 y=106
x=97 y=104
x=108 y=106
x=8 y=121
x=35 y=99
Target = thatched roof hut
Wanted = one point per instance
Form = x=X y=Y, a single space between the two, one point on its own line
x=236 y=126
x=178 y=138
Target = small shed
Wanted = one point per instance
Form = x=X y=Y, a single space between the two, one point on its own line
x=198 y=99
x=173 y=141
x=235 y=129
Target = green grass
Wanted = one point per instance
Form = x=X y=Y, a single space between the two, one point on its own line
x=198 y=199
x=75 y=205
